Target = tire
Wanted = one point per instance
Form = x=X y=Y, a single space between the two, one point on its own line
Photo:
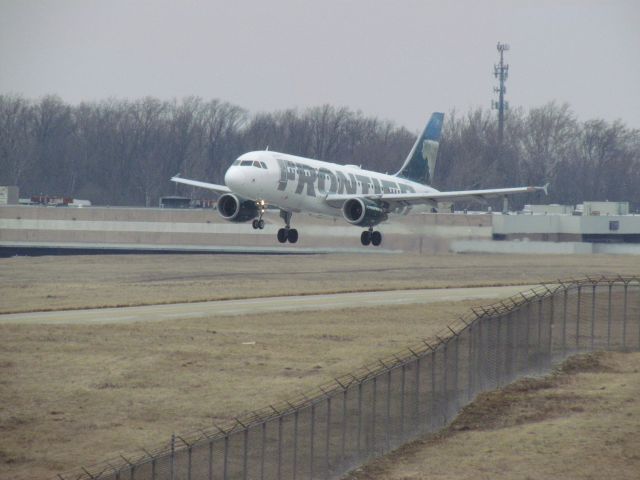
x=254 y=224
x=376 y=238
x=293 y=235
x=365 y=238
x=282 y=235
x=260 y=224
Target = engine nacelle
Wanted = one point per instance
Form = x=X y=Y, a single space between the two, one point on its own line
x=358 y=211
x=235 y=209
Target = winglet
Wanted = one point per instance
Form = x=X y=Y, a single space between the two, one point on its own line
x=545 y=188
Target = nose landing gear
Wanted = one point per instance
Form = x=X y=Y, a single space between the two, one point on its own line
x=371 y=237
x=258 y=223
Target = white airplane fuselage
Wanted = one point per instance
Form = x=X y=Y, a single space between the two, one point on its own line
x=299 y=184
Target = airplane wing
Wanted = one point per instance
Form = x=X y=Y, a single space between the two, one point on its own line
x=196 y=183
x=392 y=200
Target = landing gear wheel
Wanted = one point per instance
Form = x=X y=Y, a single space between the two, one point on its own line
x=260 y=224
x=283 y=233
x=365 y=238
x=293 y=235
x=254 y=224
x=376 y=238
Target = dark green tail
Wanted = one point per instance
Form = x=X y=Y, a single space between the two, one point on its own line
x=421 y=162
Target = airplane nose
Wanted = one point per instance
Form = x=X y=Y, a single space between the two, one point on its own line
x=233 y=178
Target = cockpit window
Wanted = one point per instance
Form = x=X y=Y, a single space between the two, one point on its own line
x=264 y=165
x=246 y=163
x=256 y=163
x=237 y=162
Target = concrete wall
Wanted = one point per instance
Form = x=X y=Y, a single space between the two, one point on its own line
x=427 y=233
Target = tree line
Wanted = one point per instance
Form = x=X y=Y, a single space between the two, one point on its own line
x=123 y=152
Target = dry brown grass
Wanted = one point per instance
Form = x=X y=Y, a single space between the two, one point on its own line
x=45 y=283
x=582 y=423
x=78 y=394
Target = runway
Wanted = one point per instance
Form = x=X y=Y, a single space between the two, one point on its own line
x=179 y=311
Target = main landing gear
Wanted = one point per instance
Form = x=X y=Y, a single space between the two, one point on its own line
x=371 y=237
x=287 y=233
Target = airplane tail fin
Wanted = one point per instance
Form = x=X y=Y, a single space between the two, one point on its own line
x=421 y=161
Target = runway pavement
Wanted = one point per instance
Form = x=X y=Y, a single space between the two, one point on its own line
x=179 y=311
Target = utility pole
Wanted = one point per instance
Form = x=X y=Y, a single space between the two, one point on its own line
x=501 y=72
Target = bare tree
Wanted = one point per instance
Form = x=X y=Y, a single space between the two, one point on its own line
x=16 y=145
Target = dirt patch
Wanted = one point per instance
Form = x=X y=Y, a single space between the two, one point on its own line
x=592 y=363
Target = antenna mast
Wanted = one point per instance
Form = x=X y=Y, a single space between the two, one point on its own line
x=501 y=72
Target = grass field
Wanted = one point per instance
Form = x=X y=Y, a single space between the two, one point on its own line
x=80 y=394
x=581 y=423
x=45 y=283
x=74 y=395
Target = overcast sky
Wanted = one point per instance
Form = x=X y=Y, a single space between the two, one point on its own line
x=399 y=60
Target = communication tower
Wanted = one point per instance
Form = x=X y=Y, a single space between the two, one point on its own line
x=501 y=72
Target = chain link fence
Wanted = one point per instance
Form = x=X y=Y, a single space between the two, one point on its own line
x=367 y=413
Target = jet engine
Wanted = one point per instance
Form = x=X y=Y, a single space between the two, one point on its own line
x=358 y=211
x=236 y=209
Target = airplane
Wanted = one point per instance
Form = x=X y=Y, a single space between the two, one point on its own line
x=266 y=179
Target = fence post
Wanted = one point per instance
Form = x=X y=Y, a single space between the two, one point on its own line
x=313 y=434
x=624 y=317
x=455 y=374
x=210 y=460
x=295 y=447
x=373 y=415
x=444 y=405
x=402 y=385
x=173 y=456
x=326 y=457
x=470 y=364
x=499 y=352
x=245 y=454
x=295 y=442
x=343 y=445
x=552 y=318
x=515 y=328
x=479 y=358
x=263 y=449
x=593 y=316
x=540 y=357
x=418 y=421
x=225 y=465
x=359 y=420
x=564 y=321
x=578 y=311
x=609 y=317
x=433 y=390
x=387 y=416
x=526 y=339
